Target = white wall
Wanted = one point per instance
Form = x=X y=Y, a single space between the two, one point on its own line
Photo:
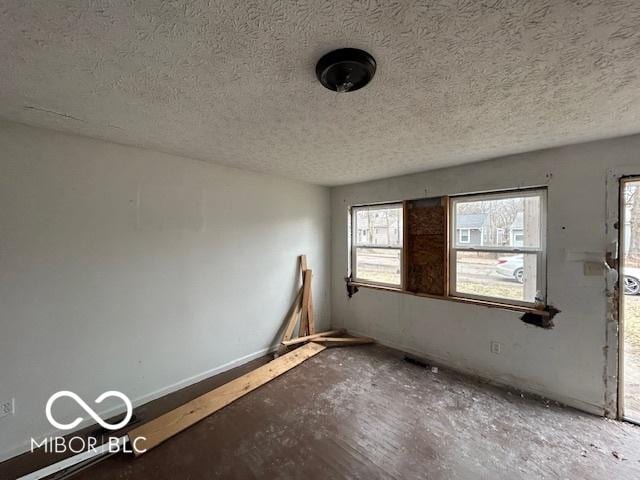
x=566 y=363
x=127 y=269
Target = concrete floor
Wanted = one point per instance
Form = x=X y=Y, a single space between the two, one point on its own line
x=363 y=412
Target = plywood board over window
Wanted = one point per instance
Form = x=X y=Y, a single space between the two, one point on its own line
x=426 y=246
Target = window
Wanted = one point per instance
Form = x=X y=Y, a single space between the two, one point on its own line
x=518 y=239
x=488 y=248
x=509 y=272
x=376 y=251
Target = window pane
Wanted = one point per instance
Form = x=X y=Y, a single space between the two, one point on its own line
x=380 y=265
x=497 y=275
x=379 y=226
x=503 y=222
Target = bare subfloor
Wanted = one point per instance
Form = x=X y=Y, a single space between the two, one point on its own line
x=363 y=412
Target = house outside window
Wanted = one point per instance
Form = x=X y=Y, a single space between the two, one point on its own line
x=471 y=228
x=516 y=230
x=518 y=239
x=376 y=252
x=488 y=269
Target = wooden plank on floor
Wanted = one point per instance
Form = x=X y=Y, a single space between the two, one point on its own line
x=165 y=426
x=312 y=337
x=343 y=341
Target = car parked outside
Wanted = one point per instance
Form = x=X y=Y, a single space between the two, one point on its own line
x=512 y=267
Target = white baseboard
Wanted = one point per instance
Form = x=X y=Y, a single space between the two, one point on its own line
x=527 y=388
x=137 y=402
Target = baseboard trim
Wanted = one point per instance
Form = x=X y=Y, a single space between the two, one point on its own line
x=139 y=401
x=526 y=388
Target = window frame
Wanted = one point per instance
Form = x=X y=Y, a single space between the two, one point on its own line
x=540 y=251
x=354 y=244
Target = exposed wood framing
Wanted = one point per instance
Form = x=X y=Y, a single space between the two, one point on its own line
x=165 y=426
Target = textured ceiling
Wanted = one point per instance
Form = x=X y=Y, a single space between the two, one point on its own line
x=233 y=82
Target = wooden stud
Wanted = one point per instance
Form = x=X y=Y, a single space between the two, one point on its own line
x=344 y=341
x=304 y=318
x=296 y=311
x=292 y=321
x=293 y=318
x=151 y=434
x=298 y=340
x=311 y=319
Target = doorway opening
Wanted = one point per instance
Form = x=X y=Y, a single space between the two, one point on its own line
x=629 y=347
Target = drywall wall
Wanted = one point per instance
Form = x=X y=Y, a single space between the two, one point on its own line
x=566 y=363
x=127 y=269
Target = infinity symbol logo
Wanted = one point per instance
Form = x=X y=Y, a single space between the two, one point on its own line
x=89 y=410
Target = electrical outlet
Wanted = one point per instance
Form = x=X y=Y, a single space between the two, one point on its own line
x=496 y=347
x=7 y=407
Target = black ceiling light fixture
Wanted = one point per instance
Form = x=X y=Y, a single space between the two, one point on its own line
x=346 y=69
